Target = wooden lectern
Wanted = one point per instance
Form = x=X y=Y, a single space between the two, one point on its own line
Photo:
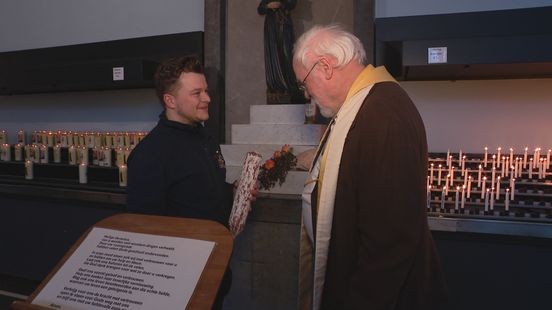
x=211 y=277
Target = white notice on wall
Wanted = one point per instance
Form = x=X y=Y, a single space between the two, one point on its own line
x=118 y=73
x=113 y=269
x=437 y=55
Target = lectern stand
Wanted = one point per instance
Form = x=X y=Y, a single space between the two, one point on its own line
x=211 y=277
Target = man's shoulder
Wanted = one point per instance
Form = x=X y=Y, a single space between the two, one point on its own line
x=386 y=97
x=388 y=91
x=387 y=104
x=157 y=136
x=154 y=144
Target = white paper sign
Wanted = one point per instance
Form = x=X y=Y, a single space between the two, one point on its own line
x=113 y=269
x=118 y=73
x=437 y=55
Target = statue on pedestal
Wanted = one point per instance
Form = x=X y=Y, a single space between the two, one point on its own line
x=278 y=47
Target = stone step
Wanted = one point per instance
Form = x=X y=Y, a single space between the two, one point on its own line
x=293 y=134
x=293 y=185
x=277 y=114
x=234 y=154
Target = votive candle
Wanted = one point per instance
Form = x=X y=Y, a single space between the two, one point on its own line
x=57 y=153
x=491 y=198
x=463 y=165
x=457 y=196
x=29 y=173
x=21 y=137
x=83 y=173
x=44 y=155
x=507 y=200
x=498 y=188
x=431 y=174
x=513 y=188
x=463 y=197
x=486 y=194
x=18 y=150
x=438 y=174
x=72 y=152
x=483 y=185
x=123 y=175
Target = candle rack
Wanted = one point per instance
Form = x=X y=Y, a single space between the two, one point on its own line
x=104 y=176
x=523 y=194
x=69 y=156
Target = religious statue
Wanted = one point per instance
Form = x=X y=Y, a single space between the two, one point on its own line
x=278 y=48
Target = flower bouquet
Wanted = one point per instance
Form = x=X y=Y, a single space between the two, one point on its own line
x=276 y=168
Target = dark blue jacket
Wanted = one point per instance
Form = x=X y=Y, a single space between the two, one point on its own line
x=178 y=170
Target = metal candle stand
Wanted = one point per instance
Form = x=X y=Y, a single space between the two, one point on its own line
x=532 y=192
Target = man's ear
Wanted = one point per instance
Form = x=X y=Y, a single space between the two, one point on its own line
x=169 y=101
x=327 y=67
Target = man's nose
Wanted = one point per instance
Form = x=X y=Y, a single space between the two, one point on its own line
x=206 y=97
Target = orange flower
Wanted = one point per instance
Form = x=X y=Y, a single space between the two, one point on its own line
x=285 y=148
x=277 y=154
x=269 y=164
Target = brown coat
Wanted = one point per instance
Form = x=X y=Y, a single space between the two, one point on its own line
x=381 y=253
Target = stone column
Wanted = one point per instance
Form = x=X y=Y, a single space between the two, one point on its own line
x=245 y=75
x=363 y=25
x=214 y=58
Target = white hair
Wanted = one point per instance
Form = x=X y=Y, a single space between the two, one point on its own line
x=329 y=40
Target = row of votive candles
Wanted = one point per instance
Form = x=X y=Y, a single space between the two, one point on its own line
x=489 y=196
x=76 y=138
x=83 y=173
x=506 y=166
x=507 y=161
x=511 y=167
x=101 y=156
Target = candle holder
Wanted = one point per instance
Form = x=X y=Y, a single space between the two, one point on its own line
x=55 y=157
x=522 y=188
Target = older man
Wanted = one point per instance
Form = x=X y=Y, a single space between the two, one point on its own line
x=365 y=242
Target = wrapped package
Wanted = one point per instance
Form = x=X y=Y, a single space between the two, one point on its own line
x=242 y=198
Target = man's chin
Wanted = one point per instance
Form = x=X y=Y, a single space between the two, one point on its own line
x=327 y=113
x=203 y=116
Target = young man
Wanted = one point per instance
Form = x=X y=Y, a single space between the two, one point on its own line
x=366 y=242
x=178 y=170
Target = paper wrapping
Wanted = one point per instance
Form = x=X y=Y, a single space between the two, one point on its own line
x=242 y=198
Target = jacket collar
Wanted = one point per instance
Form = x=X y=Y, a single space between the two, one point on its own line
x=194 y=128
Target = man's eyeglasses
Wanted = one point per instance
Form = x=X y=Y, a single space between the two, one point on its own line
x=302 y=87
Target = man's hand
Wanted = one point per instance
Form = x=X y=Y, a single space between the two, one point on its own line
x=254 y=192
x=274 y=5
